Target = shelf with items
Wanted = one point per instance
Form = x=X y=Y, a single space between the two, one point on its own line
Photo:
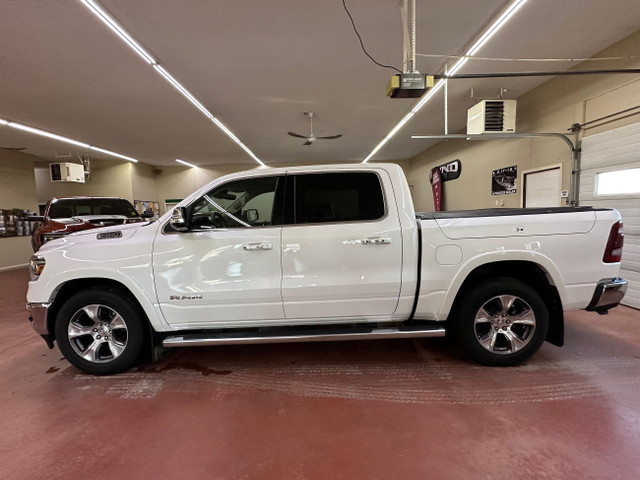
x=16 y=222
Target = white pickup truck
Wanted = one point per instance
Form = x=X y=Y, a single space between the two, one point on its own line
x=323 y=253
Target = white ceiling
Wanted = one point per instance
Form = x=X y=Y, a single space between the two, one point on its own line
x=258 y=65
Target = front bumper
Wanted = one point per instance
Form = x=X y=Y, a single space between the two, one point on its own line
x=38 y=315
x=608 y=294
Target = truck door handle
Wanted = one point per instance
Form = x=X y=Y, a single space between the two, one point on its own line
x=376 y=241
x=258 y=246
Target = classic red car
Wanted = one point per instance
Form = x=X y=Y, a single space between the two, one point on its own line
x=65 y=215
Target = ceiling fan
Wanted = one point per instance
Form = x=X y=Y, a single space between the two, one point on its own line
x=311 y=137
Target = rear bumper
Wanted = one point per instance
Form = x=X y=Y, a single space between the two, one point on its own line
x=608 y=294
x=38 y=314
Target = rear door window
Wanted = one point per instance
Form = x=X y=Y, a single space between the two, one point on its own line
x=338 y=197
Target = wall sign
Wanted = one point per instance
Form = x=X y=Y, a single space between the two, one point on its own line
x=503 y=180
x=440 y=174
x=448 y=171
x=436 y=186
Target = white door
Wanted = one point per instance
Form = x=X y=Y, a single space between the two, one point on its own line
x=345 y=257
x=542 y=188
x=228 y=268
x=607 y=156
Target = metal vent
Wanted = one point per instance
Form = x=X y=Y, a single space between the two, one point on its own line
x=56 y=173
x=494 y=116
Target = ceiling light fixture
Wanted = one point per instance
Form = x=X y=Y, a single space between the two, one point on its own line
x=60 y=138
x=43 y=133
x=108 y=20
x=484 y=38
x=167 y=76
x=186 y=163
x=109 y=152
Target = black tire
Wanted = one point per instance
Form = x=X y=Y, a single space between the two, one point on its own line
x=501 y=322
x=100 y=331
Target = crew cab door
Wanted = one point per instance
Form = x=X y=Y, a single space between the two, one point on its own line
x=342 y=247
x=227 y=269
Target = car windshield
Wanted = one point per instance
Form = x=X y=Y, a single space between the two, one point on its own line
x=74 y=207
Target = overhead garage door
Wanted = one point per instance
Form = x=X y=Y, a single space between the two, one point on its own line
x=603 y=154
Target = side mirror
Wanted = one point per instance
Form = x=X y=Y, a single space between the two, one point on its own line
x=251 y=215
x=147 y=214
x=179 y=220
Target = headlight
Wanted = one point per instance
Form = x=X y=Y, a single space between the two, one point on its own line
x=36 y=266
x=47 y=237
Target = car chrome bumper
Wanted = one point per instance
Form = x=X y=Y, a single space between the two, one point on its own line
x=608 y=294
x=38 y=313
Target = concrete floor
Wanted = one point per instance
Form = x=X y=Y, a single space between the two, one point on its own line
x=389 y=409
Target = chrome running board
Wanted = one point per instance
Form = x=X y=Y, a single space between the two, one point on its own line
x=230 y=337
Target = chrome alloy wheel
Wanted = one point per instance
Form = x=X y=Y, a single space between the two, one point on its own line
x=97 y=333
x=504 y=324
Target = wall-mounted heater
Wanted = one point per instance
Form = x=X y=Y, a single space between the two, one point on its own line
x=66 y=172
x=492 y=116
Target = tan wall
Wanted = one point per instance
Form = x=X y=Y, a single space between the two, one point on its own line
x=552 y=107
x=143 y=182
x=108 y=179
x=17 y=190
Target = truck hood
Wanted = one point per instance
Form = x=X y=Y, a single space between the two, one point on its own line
x=93 y=219
x=99 y=236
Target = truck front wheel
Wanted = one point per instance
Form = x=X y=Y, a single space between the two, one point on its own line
x=501 y=322
x=99 y=331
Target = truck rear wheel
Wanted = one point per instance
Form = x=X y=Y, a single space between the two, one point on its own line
x=501 y=322
x=100 y=332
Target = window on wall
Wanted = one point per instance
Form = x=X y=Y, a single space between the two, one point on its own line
x=338 y=197
x=618 y=182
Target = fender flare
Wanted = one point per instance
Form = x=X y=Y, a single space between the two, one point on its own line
x=93 y=276
x=542 y=261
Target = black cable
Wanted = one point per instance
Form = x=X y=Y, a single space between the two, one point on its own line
x=344 y=4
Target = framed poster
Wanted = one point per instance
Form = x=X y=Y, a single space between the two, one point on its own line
x=503 y=180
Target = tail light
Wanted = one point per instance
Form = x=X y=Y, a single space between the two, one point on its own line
x=613 y=252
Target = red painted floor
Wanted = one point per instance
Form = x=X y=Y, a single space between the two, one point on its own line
x=389 y=409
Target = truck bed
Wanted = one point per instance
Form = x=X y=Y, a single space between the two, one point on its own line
x=503 y=212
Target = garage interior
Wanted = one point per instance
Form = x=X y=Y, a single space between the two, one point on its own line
x=220 y=88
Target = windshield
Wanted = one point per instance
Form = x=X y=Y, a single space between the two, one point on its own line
x=74 y=207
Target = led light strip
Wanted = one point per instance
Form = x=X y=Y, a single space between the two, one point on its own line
x=108 y=20
x=484 y=38
x=60 y=138
x=185 y=163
